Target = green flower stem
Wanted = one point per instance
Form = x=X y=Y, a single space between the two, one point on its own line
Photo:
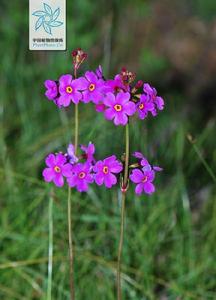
x=124 y=190
x=71 y=252
x=70 y=232
x=76 y=127
x=127 y=141
x=50 y=251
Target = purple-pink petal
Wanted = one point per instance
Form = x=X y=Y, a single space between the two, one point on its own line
x=82 y=186
x=122 y=98
x=96 y=96
x=160 y=103
x=50 y=160
x=157 y=168
x=67 y=170
x=149 y=188
x=99 y=179
x=91 y=77
x=120 y=119
x=72 y=181
x=109 y=114
x=138 y=155
x=110 y=180
x=60 y=159
x=48 y=174
x=139 y=188
x=65 y=80
x=136 y=176
x=81 y=83
x=64 y=100
x=58 y=180
x=130 y=108
x=110 y=100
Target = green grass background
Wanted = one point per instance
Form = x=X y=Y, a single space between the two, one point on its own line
x=169 y=246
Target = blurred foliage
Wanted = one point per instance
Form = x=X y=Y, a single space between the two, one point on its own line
x=169 y=249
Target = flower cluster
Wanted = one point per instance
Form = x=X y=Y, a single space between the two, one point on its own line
x=143 y=175
x=80 y=171
x=117 y=98
x=69 y=90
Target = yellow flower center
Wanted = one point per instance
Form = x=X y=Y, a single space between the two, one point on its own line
x=118 y=107
x=57 y=169
x=141 y=106
x=82 y=175
x=145 y=178
x=105 y=169
x=91 y=87
x=69 y=89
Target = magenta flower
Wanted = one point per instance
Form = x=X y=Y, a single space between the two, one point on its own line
x=144 y=106
x=81 y=177
x=92 y=87
x=119 y=108
x=104 y=170
x=144 y=162
x=115 y=85
x=152 y=93
x=52 y=89
x=71 y=154
x=89 y=152
x=69 y=90
x=143 y=179
x=57 y=168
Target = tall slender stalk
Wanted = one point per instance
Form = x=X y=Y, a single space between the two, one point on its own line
x=70 y=231
x=76 y=129
x=50 y=251
x=71 y=253
x=124 y=190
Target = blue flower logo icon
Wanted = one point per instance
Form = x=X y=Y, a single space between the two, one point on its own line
x=47 y=18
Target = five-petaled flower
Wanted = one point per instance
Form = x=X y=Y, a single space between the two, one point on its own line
x=143 y=178
x=81 y=177
x=92 y=87
x=104 y=171
x=57 y=167
x=119 y=107
x=144 y=106
x=69 y=90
